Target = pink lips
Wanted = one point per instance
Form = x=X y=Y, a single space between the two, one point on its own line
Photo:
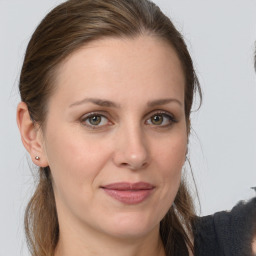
x=129 y=193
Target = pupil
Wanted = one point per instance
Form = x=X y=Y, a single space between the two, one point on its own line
x=157 y=119
x=95 y=120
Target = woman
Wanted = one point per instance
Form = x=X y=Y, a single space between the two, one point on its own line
x=107 y=89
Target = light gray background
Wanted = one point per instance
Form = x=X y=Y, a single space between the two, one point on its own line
x=220 y=35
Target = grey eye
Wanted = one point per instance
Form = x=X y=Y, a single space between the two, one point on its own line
x=94 y=120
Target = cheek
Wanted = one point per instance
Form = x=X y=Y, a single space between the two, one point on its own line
x=171 y=156
x=74 y=160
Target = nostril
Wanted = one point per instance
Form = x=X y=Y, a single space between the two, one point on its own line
x=134 y=166
x=124 y=164
x=144 y=164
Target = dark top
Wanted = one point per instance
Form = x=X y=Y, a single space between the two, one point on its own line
x=226 y=233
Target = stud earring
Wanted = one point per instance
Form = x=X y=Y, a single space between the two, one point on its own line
x=37 y=157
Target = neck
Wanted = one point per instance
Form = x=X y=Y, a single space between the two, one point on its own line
x=98 y=244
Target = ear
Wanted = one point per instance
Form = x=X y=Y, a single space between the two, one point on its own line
x=31 y=136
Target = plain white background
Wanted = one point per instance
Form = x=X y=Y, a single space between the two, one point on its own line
x=220 y=36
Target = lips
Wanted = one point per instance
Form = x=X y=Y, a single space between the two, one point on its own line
x=129 y=193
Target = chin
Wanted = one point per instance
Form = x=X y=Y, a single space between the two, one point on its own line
x=130 y=226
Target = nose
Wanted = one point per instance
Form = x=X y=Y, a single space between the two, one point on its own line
x=131 y=150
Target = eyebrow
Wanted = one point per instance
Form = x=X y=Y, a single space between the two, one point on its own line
x=163 y=102
x=107 y=103
x=99 y=102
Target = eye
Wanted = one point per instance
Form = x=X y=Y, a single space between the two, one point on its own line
x=161 y=119
x=95 y=120
x=157 y=119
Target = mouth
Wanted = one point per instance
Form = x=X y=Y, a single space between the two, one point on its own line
x=129 y=193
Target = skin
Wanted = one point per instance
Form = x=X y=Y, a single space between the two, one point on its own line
x=143 y=80
x=254 y=245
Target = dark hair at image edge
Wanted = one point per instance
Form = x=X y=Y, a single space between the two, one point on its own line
x=65 y=29
x=255 y=57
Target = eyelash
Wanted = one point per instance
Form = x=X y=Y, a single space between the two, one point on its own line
x=165 y=115
x=171 y=120
x=85 y=118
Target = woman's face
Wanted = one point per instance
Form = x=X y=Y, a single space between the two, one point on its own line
x=116 y=137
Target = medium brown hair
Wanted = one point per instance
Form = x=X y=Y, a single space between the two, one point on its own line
x=66 y=28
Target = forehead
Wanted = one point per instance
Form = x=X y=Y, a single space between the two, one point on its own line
x=111 y=67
